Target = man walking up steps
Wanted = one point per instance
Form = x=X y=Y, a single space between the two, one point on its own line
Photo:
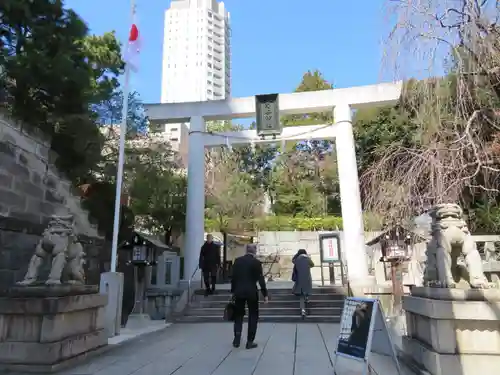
x=247 y=272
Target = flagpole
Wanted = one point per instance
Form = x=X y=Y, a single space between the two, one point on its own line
x=119 y=174
x=121 y=162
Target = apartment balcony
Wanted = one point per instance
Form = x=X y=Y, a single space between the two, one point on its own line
x=219 y=38
x=218 y=65
x=218 y=79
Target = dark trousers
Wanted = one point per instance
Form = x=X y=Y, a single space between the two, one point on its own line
x=253 y=316
x=210 y=277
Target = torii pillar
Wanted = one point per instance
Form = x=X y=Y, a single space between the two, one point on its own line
x=341 y=101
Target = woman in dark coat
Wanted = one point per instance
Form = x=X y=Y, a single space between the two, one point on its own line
x=302 y=278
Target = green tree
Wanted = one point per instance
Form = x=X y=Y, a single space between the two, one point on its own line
x=109 y=120
x=377 y=129
x=155 y=185
x=294 y=189
x=109 y=112
x=222 y=126
x=255 y=161
x=304 y=175
x=99 y=200
x=311 y=81
x=101 y=189
x=53 y=72
x=157 y=189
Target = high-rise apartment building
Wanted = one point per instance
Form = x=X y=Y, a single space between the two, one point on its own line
x=196 y=52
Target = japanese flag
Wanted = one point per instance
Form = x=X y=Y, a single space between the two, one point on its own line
x=133 y=48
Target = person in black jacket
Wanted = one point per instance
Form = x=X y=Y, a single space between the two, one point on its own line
x=246 y=273
x=209 y=263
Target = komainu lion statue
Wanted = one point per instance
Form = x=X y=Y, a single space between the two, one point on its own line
x=60 y=242
x=451 y=239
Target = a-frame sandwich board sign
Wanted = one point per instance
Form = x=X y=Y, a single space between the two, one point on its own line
x=363 y=331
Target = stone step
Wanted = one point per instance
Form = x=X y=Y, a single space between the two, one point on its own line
x=330 y=290
x=281 y=311
x=225 y=296
x=293 y=303
x=325 y=305
x=264 y=318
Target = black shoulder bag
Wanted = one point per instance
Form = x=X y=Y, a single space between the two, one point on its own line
x=230 y=310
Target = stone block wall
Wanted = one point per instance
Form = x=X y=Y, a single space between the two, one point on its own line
x=30 y=187
x=31 y=190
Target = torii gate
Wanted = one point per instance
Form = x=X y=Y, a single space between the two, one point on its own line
x=341 y=101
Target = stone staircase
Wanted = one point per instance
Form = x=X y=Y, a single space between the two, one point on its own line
x=325 y=305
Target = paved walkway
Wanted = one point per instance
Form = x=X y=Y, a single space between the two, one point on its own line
x=205 y=349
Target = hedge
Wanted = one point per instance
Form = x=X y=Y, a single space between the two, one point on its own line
x=278 y=223
x=288 y=223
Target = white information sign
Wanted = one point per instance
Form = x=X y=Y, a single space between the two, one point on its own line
x=330 y=248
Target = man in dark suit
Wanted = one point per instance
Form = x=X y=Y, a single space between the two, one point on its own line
x=209 y=263
x=246 y=273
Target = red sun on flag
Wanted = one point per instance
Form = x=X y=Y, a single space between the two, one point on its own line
x=134 y=33
x=133 y=47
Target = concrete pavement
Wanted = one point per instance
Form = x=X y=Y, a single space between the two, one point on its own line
x=205 y=349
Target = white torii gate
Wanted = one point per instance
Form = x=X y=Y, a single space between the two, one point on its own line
x=341 y=101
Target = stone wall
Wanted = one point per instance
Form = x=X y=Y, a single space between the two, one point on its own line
x=276 y=250
x=31 y=190
x=30 y=187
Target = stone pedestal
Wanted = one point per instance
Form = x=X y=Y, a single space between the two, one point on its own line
x=42 y=328
x=111 y=285
x=453 y=331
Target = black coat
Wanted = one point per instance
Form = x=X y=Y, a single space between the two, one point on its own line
x=246 y=273
x=303 y=280
x=209 y=256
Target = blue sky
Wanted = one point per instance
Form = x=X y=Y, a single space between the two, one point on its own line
x=273 y=41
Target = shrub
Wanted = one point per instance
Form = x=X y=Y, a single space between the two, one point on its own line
x=280 y=223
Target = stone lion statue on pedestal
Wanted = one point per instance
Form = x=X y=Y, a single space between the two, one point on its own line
x=60 y=242
x=451 y=239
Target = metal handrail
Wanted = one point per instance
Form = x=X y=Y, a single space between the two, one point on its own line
x=189 y=285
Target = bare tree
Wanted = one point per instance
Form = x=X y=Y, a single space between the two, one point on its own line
x=456 y=116
x=426 y=31
x=232 y=199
